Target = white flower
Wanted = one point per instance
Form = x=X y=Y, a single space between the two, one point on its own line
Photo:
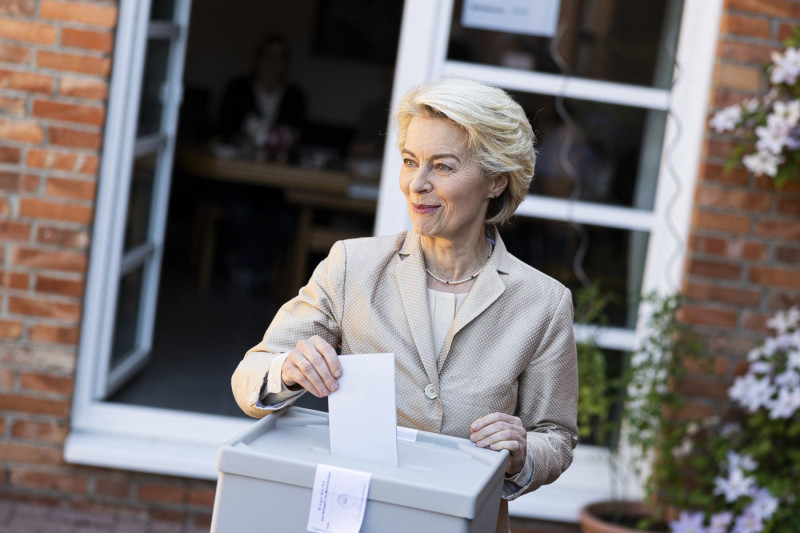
x=720 y=522
x=734 y=486
x=743 y=462
x=760 y=367
x=785 y=114
x=764 y=504
x=786 y=404
x=762 y=163
x=730 y=429
x=688 y=523
x=751 y=105
x=790 y=378
x=751 y=392
x=783 y=322
x=748 y=523
x=785 y=67
x=772 y=138
x=726 y=119
x=793 y=360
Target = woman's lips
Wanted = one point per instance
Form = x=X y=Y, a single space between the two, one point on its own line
x=424 y=208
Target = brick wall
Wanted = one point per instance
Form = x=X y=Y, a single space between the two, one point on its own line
x=55 y=63
x=744 y=248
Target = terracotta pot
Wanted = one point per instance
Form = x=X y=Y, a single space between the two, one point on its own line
x=595 y=517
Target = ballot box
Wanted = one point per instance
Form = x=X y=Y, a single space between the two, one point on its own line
x=440 y=484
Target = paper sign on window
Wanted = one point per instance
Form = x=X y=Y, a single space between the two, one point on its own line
x=528 y=17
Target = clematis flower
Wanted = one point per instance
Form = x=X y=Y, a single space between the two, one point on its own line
x=748 y=523
x=720 y=522
x=785 y=67
x=785 y=114
x=735 y=485
x=786 y=404
x=726 y=119
x=772 y=138
x=751 y=392
x=764 y=504
x=763 y=163
x=688 y=523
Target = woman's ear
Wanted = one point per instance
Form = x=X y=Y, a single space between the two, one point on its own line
x=498 y=185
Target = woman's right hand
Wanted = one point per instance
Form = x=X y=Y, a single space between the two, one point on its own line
x=314 y=365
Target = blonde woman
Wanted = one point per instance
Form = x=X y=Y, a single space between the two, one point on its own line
x=483 y=342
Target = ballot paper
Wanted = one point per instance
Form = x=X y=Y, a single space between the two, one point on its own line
x=338 y=500
x=361 y=413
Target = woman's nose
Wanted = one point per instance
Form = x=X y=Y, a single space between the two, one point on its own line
x=420 y=181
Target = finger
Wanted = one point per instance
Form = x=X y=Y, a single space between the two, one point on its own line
x=506 y=423
x=307 y=350
x=505 y=435
x=297 y=369
x=493 y=418
x=330 y=355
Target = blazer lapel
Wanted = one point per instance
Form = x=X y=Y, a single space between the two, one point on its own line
x=487 y=289
x=413 y=289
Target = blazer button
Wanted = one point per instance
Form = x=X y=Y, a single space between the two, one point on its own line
x=430 y=391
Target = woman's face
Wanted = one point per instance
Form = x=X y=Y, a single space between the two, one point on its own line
x=446 y=194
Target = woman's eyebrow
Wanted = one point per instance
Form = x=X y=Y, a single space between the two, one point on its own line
x=451 y=155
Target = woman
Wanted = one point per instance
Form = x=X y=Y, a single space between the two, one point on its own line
x=483 y=343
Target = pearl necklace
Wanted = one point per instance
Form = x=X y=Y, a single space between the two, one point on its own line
x=459 y=282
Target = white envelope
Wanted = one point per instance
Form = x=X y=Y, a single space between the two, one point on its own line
x=362 y=411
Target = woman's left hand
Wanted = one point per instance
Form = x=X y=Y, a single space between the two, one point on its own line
x=499 y=431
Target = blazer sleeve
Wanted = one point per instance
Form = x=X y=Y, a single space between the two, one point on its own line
x=316 y=310
x=548 y=402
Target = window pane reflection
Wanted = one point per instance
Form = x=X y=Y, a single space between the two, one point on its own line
x=153 y=93
x=614 y=258
x=595 y=152
x=162 y=9
x=619 y=41
x=137 y=225
x=126 y=323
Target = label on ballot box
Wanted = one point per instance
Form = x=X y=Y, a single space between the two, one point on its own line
x=338 y=500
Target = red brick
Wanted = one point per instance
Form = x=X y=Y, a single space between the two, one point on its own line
x=41 y=431
x=10 y=181
x=83 y=88
x=44 y=480
x=776 y=8
x=727 y=295
x=81 y=114
x=789 y=206
x=10 y=154
x=717 y=173
x=735 y=198
x=745 y=25
x=12 y=106
x=47 y=383
x=39 y=357
x=54 y=334
x=161 y=493
x=784 y=229
x=707 y=316
x=768 y=184
x=14 y=54
x=731 y=76
x=714 y=269
x=19 y=80
x=74 y=138
x=90 y=165
x=14 y=280
x=780 y=300
x=43 y=308
x=202 y=521
x=112 y=488
x=70 y=188
x=698 y=387
x=776 y=277
x=32 y=32
x=14 y=452
x=102 y=16
x=755 y=321
x=721 y=222
x=92 y=40
x=4 y=210
x=62 y=237
x=64 y=161
x=745 y=52
x=50 y=259
x=6 y=381
x=21 y=130
x=72 y=62
x=14 y=231
x=41 y=209
x=20 y=403
x=54 y=285
x=25 y=8
x=11 y=329
x=785 y=254
x=202 y=496
x=729 y=343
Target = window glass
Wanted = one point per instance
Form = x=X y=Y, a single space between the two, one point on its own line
x=162 y=9
x=610 y=40
x=612 y=258
x=137 y=225
x=600 y=427
x=126 y=323
x=595 y=152
x=153 y=93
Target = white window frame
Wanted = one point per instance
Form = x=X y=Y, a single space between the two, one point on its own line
x=182 y=443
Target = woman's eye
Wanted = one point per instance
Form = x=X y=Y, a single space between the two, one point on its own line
x=441 y=167
x=408 y=162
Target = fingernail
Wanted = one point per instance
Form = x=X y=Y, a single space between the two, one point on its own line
x=338 y=373
x=334 y=386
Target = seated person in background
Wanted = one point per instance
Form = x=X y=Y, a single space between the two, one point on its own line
x=262 y=111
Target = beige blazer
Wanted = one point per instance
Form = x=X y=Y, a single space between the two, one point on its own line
x=510 y=349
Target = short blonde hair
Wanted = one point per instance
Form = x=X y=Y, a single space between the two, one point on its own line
x=499 y=136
